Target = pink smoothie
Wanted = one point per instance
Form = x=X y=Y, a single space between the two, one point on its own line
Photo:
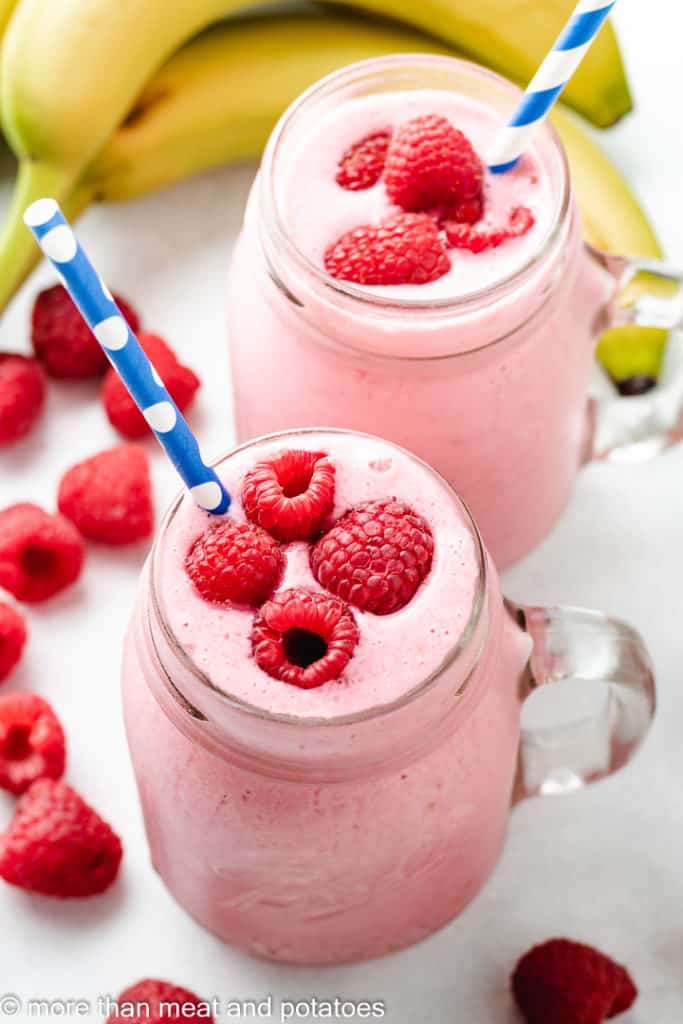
x=317 y=211
x=346 y=822
x=484 y=372
x=383 y=667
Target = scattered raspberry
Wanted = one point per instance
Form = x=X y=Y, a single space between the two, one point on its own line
x=32 y=744
x=160 y=998
x=303 y=638
x=57 y=845
x=22 y=395
x=290 y=494
x=12 y=638
x=63 y=341
x=108 y=497
x=464 y=236
x=569 y=983
x=430 y=162
x=375 y=556
x=236 y=562
x=362 y=164
x=405 y=249
x=180 y=380
x=40 y=554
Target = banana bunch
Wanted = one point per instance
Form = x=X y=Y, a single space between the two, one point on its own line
x=108 y=99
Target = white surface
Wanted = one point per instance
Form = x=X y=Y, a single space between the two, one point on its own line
x=603 y=865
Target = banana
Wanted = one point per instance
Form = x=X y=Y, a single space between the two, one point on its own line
x=614 y=222
x=218 y=98
x=6 y=10
x=71 y=70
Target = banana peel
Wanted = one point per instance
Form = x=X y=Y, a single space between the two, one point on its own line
x=217 y=100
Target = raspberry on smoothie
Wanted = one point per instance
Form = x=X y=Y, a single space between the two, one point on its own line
x=396 y=194
x=334 y=550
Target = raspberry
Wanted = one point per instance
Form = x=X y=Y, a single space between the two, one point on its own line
x=181 y=381
x=375 y=556
x=40 y=554
x=32 y=744
x=467 y=212
x=63 y=341
x=430 y=162
x=235 y=562
x=12 y=638
x=362 y=164
x=290 y=494
x=57 y=845
x=569 y=983
x=108 y=497
x=22 y=395
x=405 y=249
x=464 y=236
x=158 y=1002
x=304 y=638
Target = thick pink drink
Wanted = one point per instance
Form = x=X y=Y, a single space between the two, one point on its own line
x=483 y=372
x=343 y=821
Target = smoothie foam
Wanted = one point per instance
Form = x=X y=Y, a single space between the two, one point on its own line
x=395 y=652
x=317 y=211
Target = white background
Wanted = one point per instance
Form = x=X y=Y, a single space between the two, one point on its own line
x=604 y=866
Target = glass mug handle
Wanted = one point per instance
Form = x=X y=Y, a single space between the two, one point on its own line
x=576 y=645
x=649 y=294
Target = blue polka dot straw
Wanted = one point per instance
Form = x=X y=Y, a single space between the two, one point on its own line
x=548 y=82
x=99 y=310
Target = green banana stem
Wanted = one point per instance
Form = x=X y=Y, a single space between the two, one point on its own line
x=18 y=251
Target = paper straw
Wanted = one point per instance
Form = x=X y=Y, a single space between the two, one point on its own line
x=99 y=310
x=548 y=82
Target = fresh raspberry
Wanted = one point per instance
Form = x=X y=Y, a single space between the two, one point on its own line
x=32 y=744
x=290 y=494
x=464 y=236
x=40 y=554
x=12 y=638
x=430 y=162
x=22 y=395
x=569 y=983
x=362 y=164
x=375 y=556
x=405 y=249
x=304 y=638
x=235 y=562
x=158 y=1002
x=468 y=212
x=57 y=845
x=181 y=381
x=108 y=497
x=63 y=341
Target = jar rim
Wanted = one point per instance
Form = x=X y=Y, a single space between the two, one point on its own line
x=380 y=67
x=377 y=711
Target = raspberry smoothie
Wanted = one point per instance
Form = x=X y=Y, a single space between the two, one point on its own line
x=322 y=694
x=300 y=765
x=397 y=287
x=216 y=629
x=430 y=165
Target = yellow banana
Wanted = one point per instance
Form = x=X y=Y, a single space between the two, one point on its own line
x=218 y=98
x=6 y=9
x=71 y=70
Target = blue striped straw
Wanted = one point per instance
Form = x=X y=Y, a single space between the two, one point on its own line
x=99 y=310
x=548 y=82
